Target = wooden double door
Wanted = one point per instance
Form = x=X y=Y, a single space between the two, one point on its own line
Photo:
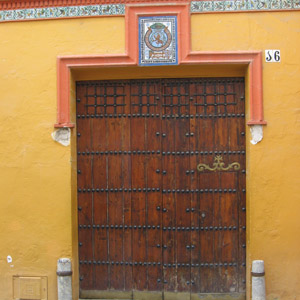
x=161 y=187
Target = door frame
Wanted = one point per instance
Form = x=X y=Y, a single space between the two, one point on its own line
x=223 y=64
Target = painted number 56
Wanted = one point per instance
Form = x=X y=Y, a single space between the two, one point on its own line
x=272 y=55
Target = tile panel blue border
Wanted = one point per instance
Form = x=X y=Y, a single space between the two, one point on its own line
x=174 y=47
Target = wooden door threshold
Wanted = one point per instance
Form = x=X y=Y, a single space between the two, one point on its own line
x=148 y=295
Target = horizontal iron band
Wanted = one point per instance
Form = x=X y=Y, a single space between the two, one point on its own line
x=144 y=227
x=64 y=273
x=164 y=82
x=197 y=116
x=166 y=265
x=257 y=274
x=148 y=152
x=148 y=104
x=140 y=190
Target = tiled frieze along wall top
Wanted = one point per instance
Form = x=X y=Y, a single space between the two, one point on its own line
x=112 y=9
x=22 y=4
x=62 y=12
x=243 y=5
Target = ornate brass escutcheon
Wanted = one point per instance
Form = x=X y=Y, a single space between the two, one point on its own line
x=218 y=165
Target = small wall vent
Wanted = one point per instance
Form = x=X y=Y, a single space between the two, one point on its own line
x=30 y=288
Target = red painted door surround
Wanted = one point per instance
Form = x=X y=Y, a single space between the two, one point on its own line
x=252 y=60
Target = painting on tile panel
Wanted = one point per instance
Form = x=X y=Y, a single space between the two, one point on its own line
x=158 y=41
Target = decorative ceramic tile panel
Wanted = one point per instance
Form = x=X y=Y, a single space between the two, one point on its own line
x=62 y=12
x=243 y=5
x=158 y=41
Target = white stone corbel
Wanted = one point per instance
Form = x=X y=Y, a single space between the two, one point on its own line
x=256 y=133
x=62 y=136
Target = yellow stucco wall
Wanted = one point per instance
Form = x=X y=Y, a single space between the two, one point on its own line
x=37 y=174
